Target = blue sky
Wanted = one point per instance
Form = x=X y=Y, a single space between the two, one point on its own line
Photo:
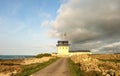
x=21 y=29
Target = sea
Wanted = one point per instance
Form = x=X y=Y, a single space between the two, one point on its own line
x=15 y=56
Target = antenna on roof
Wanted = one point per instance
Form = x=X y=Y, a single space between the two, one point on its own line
x=64 y=36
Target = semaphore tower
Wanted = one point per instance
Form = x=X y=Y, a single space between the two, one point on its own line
x=63 y=46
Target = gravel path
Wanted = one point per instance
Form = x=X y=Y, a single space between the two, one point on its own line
x=58 y=68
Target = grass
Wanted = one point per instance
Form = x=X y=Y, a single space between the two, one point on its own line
x=110 y=60
x=43 y=55
x=74 y=68
x=27 y=70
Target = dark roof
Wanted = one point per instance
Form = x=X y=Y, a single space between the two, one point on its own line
x=80 y=51
x=63 y=43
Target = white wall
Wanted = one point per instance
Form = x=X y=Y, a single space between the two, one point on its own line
x=63 y=50
x=77 y=53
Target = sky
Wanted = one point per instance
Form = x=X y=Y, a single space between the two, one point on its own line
x=30 y=27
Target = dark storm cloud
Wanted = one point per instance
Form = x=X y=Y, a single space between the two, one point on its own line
x=88 y=22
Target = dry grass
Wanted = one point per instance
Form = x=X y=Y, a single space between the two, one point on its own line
x=13 y=66
x=99 y=65
x=10 y=67
x=11 y=62
x=106 y=56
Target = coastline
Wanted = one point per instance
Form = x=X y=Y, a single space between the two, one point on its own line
x=4 y=57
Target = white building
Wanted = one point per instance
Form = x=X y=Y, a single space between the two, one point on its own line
x=63 y=48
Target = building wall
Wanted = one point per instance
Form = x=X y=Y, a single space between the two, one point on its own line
x=63 y=50
x=78 y=53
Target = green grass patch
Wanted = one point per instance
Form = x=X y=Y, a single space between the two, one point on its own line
x=27 y=70
x=74 y=68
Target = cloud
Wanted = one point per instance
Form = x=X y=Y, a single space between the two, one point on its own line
x=87 y=22
x=53 y=34
x=44 y=15
x=46 y=23
x=110 y=48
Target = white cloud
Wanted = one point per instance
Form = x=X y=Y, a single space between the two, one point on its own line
x=44 y=15
x=112 y=45
x=46 y=23
x=53 y=34
x=88 y=21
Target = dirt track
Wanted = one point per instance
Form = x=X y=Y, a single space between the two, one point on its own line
x=58 y=68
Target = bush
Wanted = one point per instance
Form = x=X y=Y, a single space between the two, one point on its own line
x=43 y=55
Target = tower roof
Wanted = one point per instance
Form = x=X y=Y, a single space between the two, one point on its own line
x=63 y=43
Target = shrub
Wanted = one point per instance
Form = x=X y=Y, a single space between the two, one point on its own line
x=43 y=55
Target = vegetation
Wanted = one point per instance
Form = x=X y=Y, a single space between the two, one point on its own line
x=10 y=62
x=107 y=57
x=43 y=55
x=98 y=65
x=74 y=68
x=27 y=70
x=110 y=60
